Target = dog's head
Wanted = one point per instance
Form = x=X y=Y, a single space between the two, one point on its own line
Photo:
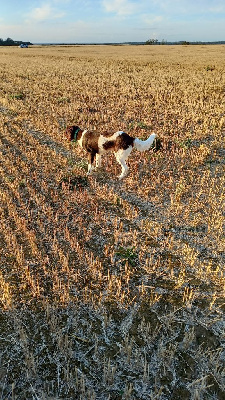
x=71 y=133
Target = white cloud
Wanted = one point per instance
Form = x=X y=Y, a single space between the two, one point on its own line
x=44 y=12
x=151 y=18
x=188 y=6
x=120 y=7
x=61 y=1
x=217 y=9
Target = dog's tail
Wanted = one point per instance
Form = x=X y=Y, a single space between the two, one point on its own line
x=142 y=145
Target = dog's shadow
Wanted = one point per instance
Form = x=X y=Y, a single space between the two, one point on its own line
x=74 y=182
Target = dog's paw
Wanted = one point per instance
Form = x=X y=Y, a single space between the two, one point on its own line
x=90 y=169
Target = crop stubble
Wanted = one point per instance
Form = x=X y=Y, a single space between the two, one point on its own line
x=108 y=289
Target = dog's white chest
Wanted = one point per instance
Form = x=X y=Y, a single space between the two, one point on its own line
x=80 y=141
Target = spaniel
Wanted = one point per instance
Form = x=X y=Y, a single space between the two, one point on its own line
x=120 y=143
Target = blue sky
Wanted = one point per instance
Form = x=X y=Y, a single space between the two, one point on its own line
x=98 y=21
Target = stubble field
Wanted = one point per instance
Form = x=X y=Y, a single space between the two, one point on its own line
x=112 y=289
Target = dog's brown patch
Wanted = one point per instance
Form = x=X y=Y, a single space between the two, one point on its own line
x=109 y=145
x=90 y=142
x=124 y=141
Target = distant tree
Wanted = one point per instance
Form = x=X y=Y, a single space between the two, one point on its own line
x=151 y=41
x=9 y=42
x=163 y=41
x=184 y=42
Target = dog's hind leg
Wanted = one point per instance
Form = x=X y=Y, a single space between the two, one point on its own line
x=124 y=169
x=121 y=156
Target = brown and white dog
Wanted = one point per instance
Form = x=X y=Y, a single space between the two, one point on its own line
x=120 y=143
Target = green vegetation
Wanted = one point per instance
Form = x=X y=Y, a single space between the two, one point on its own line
x=11 y=42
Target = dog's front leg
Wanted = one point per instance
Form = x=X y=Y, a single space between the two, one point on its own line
x=91 y=157
x=98 y=161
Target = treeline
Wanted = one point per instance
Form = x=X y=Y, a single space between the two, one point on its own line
x=11 y=42
x=183 y=42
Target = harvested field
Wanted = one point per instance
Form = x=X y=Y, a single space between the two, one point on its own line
x=112 y=289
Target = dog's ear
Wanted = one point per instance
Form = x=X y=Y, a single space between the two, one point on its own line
x=70 y=132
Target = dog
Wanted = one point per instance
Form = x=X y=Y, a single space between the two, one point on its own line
x=120 y=143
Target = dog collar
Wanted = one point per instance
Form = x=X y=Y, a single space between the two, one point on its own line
x=75 y=135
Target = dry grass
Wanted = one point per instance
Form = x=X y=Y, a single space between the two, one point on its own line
x=112 y=290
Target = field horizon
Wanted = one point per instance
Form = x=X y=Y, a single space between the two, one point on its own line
x=112 y=289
